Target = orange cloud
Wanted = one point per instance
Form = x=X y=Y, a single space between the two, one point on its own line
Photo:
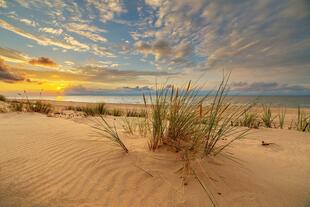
x=6 y=75
x=43 y=61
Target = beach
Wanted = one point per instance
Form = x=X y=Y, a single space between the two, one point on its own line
x=61 y=161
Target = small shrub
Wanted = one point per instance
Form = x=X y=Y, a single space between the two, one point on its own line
x=2 y=98
x=104 y=129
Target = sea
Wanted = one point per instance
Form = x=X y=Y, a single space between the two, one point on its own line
x=276 y=101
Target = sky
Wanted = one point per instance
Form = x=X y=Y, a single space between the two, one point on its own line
x=103 y=46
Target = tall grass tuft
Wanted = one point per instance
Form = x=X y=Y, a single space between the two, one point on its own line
x=2 y=98
x=218 y=121
x=110 y=132
x=267 y=116
x=179 y=119
x=303 y=121
x=250 y=120
x=282 y=117
x=98 y=109
x=159 y=107
x=184 y=120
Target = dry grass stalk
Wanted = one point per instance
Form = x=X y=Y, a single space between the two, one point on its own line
x=103 y=128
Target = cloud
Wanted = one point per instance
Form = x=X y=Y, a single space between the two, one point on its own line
x=39 y=39
x=3 y=4
x=268 y=88
x=51 y=30
x=11 y=55
x=69 y=63
x=6 y=75
x=124 y=91
x=69 y=43
x=87 y=31
x=106 y=9
x=223 y=34
x=161 y=49
x=28 y=22
x=43 y=61
x=99 y=73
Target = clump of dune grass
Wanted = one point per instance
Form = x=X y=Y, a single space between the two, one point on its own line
x=250 y=120
x=135 y=113
x=104 y=129
x=179 y=120
x=183 y=116
x=39 y=107
x=16 y=106
x=282 y=117
x=218 y=129
x=267 y=117
x=91 y=110
x=116 y=112
x=159 y=107
x=303 y=121
x=2 y=98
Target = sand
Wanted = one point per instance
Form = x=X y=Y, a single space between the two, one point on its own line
x=48 y=161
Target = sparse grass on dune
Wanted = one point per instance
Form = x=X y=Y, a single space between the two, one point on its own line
x=303 y=121
x=179 y=120
x=158 y=117
x=249 y=119
x=39 y=106
x=115 y=112
x=31 y=106
x=135 y=113
x=282 y=117
x=218 y=129
x=16 y=106
x=267 y=117
x=98 y=109
x=104 y=129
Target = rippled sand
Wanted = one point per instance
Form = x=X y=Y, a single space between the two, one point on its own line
x=46 y=161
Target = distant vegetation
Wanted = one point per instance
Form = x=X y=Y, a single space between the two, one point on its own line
x=303 y=121
x=2 y=98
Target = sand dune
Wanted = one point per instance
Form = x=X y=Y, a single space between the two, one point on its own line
x=48 y=161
